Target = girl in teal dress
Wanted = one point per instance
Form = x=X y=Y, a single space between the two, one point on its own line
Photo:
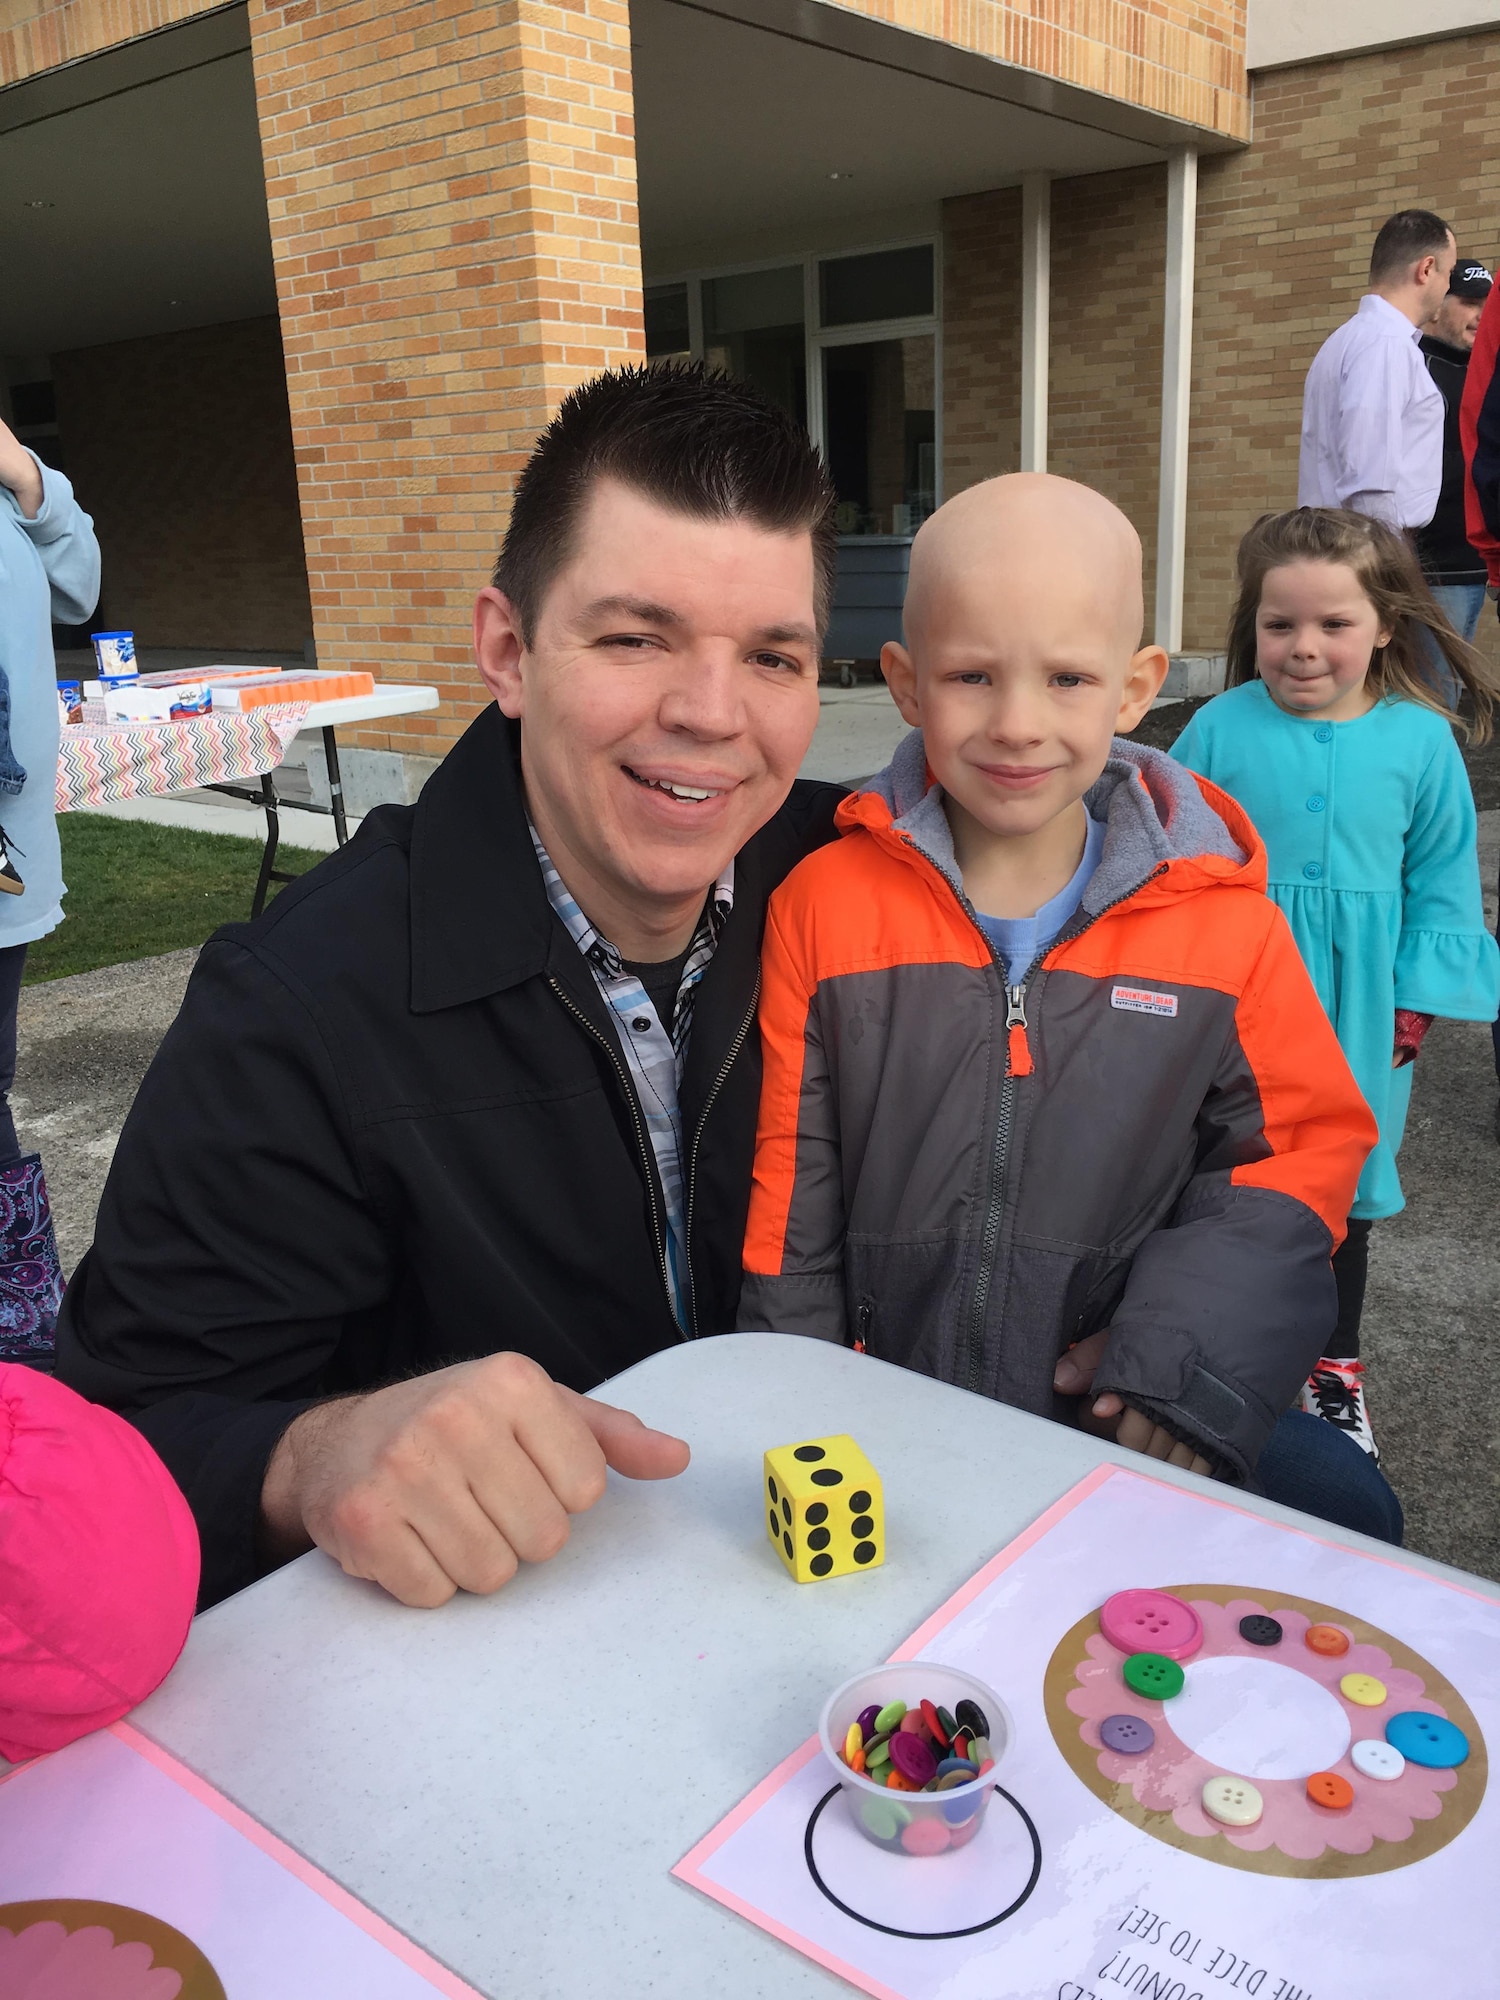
x=1335 y=744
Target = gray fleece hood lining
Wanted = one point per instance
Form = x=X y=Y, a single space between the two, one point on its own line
x=1165 y=818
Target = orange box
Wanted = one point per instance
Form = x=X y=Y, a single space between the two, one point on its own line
x=292 y=687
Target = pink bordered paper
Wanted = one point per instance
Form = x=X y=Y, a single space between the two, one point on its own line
x=116 y=1819
x=1078 y=1927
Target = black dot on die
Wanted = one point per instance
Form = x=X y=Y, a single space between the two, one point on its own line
x=859 y=1503
x=819 y=1538
x=817 y=1514
x=821 y=1565
x=864 y=1552
x=786 y=1543
x=809 y=1453
x=775 y=1525
x=862 y=1525
x=786 y=1510
x=828 y=1475
x=771 y=1487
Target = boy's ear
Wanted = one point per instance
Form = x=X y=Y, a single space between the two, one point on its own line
x=901 y=679
x=1143 y=679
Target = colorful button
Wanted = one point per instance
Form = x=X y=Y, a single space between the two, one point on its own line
x=866 y=1720
x=1363 y=1689
x=1328 y=1789
x=1327 y=1640
x=1154 y=1676
x=1232 y=1801
x=1149 y=1621
x=1374 y=1759
x=890 y=1716
x=969 y=1715
x=935 y=1728
x=1425 y=1739
x=912 y=1758
x=1313 y=870
x=957 y=1767
x=854 y=1740
x=1316 y=803
x=1131 y=1735
x=1324 y=732
x=885 y=1818
x=925 y=1836
x=1258 y=1630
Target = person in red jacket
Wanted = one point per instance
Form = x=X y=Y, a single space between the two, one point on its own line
x=1050 y=1108
x=1479 y=434
x=98 y=1565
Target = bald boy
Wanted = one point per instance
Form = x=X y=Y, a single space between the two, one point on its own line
x=1050 y=1109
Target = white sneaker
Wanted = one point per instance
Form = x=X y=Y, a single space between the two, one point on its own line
x=1335 y=1391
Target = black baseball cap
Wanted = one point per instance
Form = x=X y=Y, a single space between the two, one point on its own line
x=1470 y=280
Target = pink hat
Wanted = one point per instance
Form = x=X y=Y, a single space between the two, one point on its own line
x=98 y=1565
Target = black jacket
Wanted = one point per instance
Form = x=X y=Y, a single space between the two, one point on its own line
x=390 y=1129
x=1443 y=544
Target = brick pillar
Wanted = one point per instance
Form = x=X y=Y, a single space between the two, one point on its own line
x=453 y=216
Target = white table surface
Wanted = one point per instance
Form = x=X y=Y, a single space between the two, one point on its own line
x=509 y=1779
x=389 y=698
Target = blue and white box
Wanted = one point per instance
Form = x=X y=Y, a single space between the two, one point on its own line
x=115 y=654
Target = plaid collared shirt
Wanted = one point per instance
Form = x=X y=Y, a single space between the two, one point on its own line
x=654 y=1050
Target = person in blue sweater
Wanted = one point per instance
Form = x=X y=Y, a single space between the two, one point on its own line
x=49 y=572
x=1333 y=741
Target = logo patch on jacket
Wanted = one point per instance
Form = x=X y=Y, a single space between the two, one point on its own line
x=1141 y=1000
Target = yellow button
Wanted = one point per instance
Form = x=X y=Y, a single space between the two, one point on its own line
x=1363 y=1688
x=1232 y=1801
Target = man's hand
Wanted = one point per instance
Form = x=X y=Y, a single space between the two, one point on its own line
x=449 y=1482
x=1111 y=1417
x=18 y=472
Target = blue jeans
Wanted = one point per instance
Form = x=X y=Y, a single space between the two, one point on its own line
x=1310 y=1465
x=1460 y=604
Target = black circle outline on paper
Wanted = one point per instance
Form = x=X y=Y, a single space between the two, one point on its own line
x=927 y=1937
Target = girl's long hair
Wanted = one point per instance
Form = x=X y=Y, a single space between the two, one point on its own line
x=1391 y=577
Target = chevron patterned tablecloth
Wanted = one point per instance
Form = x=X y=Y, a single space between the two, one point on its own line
x=98 y=762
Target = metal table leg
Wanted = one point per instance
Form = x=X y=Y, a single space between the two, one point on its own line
x=273 y=835
x=335 y=786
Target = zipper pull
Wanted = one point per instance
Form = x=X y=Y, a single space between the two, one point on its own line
x=1018 y=1049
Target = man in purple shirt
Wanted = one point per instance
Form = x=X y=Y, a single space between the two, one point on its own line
x=1372 y=416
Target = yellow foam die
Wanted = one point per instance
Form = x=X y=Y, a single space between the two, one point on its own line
x=824 y=1509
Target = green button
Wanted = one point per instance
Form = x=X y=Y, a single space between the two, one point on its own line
x=1154 y=1676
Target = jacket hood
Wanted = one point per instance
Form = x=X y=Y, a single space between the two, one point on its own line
x=1161 y=819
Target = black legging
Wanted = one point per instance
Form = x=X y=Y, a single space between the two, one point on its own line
x=1351 y=1266
x=12 y=965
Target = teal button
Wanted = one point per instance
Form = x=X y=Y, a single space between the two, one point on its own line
x=1314 y=871
x=1323 y=733
x=1316 y=803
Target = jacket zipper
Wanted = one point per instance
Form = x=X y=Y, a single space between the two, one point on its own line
x=692 y=1175
x=1015 y=1017
x=648 y=1158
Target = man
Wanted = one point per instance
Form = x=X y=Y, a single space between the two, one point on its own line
x=1372 y=416
x=1454 y=569
x=470 y=1112
x=1479 y=434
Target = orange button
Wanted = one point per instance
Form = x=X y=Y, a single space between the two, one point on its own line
x=1327 y=1788
x=1327 y=1640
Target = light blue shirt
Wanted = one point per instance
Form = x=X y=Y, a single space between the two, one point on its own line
x=49 y=571
x=1372 y=421
x=1021 y=941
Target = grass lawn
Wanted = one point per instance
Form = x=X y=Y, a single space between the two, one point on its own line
x=135 y=890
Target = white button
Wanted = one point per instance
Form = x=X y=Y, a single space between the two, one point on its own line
x=1377 y=1759
x=1233 y=1801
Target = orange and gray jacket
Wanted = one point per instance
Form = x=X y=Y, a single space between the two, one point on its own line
x=1153 y=1130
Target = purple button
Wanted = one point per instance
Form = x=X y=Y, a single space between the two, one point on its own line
x=866 y=1721
x=912 y=1758
x=1129 y=1734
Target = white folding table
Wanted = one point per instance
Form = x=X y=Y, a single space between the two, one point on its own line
x=508 y=1780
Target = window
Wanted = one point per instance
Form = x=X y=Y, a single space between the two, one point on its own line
x=753 y=326
x=668 y=336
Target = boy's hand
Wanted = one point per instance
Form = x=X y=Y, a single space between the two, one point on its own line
x=1110 y=1416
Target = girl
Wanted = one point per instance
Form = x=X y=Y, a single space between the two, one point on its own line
x=1335 y=743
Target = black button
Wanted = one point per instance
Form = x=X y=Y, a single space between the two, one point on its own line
x=817 y=1514
x=809 y=1453
x=862 y=1526
x=786 y=1510
x=1259 y=1631
x=859 y=1503
x=819 y=1538
x=969 y=1715
x=786 y=1542
x=640 y=1024
x=828 y=1475
x=864 y=1552
x=821 y=1565
x=771 y=1487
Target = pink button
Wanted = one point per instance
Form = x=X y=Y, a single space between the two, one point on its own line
x=1149 y=1621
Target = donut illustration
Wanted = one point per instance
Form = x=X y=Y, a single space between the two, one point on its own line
x=104 y=1950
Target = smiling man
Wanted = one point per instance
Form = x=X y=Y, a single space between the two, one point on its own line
x=464 y=1124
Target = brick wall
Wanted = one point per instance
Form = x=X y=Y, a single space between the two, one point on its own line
x=453 y=218
x=40 y=34
x=180 y=447
x=1104 y=389
x=1284 y=234
x=1183 y=58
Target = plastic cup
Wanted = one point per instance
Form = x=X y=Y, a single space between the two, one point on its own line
x=917 y=1824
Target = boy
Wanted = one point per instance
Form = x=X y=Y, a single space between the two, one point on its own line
x=1043 y=1069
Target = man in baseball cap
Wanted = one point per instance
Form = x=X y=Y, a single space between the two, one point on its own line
x=1454 y=569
